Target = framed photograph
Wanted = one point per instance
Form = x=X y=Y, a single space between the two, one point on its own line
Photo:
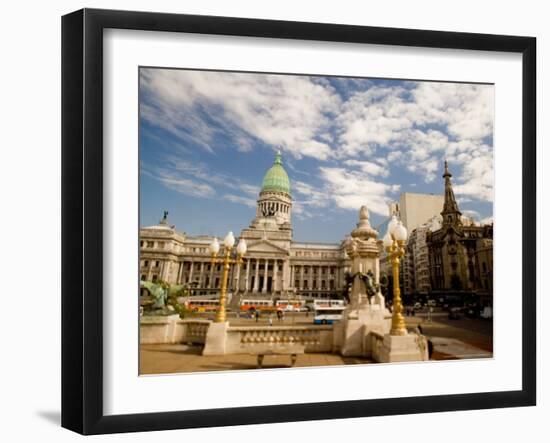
x=269 y=221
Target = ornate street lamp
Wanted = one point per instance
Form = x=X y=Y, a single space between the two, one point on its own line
x=394 y=243
x=226 y=261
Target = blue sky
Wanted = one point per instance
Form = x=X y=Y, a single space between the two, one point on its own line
x=207 y=139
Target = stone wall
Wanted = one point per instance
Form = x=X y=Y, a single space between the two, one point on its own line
x=171 y=330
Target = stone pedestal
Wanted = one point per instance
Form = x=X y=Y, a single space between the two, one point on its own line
x=396 y=348
x=358 y=324
x=159 y=329
x=216 y=339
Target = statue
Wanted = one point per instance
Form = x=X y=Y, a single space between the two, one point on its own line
x=159 y=293
x=164 y=298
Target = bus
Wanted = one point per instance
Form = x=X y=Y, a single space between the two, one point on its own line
x=328 y=303
x=203 y=305
x=257 y=305
x=290 y=305
x=327 y=315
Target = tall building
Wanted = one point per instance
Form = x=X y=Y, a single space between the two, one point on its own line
x=417 y=274
x=416 y=209
x=461 y=254
x=275 y=265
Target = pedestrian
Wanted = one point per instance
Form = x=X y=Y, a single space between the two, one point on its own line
x=257 y=315
x=270 y=320
x=430 y=310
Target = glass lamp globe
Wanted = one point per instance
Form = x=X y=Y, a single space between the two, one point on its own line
x=215 y=246
x=229 y=240
x=392 y=225
x=241 y=247
x=387 y=240
x=400 y=232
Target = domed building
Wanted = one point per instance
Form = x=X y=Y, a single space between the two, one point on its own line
x=275 y=265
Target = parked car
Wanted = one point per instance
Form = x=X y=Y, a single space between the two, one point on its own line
x=454 y=314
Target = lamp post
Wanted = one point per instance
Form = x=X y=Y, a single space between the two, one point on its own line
x=226 y=261
x=394 y=243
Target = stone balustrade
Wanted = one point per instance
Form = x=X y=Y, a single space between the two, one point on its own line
x=314 y=338
x=195 y=331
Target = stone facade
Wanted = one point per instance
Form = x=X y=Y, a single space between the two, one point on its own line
x=460 y=252
x=275 y=264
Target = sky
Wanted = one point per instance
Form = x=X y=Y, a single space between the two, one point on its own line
x=207 y=139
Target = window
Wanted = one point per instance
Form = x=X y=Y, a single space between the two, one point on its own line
x=143 y=277
x=146 y=263
x=157 y=264
x=155 y=277
x=150 y=244
x=141 y=243
x=161 y=244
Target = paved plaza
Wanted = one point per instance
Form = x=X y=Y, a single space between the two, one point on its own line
x=452 y=339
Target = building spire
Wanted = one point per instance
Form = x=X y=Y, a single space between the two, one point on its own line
x=451 y=214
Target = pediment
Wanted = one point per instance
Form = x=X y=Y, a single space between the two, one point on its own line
x=265 y=246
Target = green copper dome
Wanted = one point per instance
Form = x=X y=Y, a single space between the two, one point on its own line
x=276 y=179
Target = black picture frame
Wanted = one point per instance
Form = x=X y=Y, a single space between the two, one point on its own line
x=82 y=218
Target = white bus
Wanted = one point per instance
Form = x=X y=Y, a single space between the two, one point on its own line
x=327 y=303
x=326 y=315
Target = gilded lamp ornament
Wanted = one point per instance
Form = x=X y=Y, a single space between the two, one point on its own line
x=226 y=261
x=394 y=243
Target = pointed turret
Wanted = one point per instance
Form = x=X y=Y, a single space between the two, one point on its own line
x=451 y=214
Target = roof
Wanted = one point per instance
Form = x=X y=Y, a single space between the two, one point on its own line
x=276 y=179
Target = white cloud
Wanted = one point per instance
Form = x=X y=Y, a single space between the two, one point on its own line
x=417 y=127
x=251 y=203
x=182 y=185
x=352 y=189
x=281 y=110
x=366 y=130
x=369 y=168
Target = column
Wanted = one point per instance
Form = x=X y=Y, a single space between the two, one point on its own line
x=211 y=282
x=190 y=278
x=247 y=282
x=319 y=269
x=256 y=276
x=264 y=288
x=237 y=286
x=287 y=282
x=301 y=284
x=201 y=275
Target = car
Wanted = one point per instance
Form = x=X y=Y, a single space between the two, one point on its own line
x=454 y=314
x=417 y=305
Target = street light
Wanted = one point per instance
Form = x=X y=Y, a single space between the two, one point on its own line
x=226 y=261
x=394 y=243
